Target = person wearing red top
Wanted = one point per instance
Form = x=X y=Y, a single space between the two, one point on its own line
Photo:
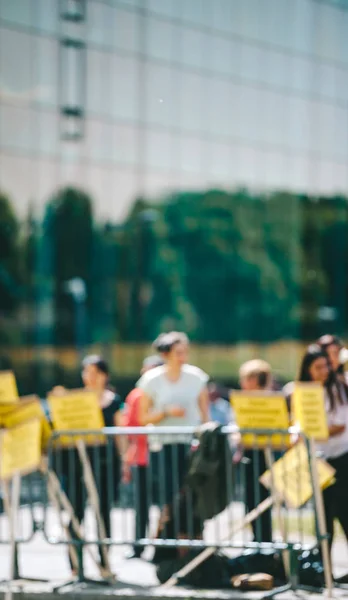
x=137 y=459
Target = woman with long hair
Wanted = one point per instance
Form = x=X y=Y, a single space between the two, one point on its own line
x=316 y=367
x=332 y=346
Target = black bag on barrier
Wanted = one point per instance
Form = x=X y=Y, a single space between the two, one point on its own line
x=210 y=472
x=216 y=572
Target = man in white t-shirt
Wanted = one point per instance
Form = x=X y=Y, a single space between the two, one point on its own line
x=172 y=395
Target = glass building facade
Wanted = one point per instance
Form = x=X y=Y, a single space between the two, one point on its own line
x=129 y=98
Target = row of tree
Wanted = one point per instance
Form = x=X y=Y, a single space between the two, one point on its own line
x=224 y=266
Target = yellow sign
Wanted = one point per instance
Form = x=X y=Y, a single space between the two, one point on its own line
x=308 y=405
x=77 y=410
x=291 y=476
x=20 y=449
x=8 y=388
x=25 y=410
x=261 y=410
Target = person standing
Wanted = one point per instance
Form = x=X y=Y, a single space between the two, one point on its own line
x=255 y=376
x=137 y=459
x=219 y=407
x=315 y=367
x=105 y=459
x=172 y=395
x=335 y=351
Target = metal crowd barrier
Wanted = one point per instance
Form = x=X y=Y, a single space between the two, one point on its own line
x=168 y=498
x=89 y=477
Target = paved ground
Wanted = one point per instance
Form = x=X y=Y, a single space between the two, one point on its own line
x=38 y=559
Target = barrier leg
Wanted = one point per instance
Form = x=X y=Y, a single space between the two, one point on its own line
x=61 y=501
x=278 y=507
x=94 y=500
x=11 y=505
x=320 y=519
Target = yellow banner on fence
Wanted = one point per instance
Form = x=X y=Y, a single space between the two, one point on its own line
x=261 y=410
x=27 y=409
x=8 y=388
x=76 y=410
x=20 y=449
x=308 y=404
x=292 y=478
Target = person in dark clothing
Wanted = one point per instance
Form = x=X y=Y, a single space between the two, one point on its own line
x=255 y=375
x=105 y=458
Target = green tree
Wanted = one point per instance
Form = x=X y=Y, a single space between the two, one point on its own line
x=69 y=225
x=10 y=272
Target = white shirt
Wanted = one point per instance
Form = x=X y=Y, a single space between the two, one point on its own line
x=337 y=444
x=184 y=392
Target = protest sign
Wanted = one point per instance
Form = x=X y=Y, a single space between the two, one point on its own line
x=308 y=404
x=8 y=388
x=261 y=411
x=292 y=478
x=76 y=410
x=26 y=409
x=20 y=449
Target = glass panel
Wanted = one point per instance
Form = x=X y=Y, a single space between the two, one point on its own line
x=222 y=107
x=158 y=150
x=125 y=144
x=18 y=129
x=124 y=75
x=16 y=65
x=99 y=140
x=197 y=12
x=223 y=55
x=46 y=15
x=191 y=90
x=168 y=8
x=113 y=27
x=222 y=156
x=45 y=71
x=99 y=83
x=193 y=48
x=161 y=37
x=161 y=96
x=100 y=23
x=18 y=12
x=191 y=155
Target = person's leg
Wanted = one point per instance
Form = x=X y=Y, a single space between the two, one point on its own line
x=255 y=493
x=108 y=489
x=141 y=495
x=329 y=499
x=339 y=493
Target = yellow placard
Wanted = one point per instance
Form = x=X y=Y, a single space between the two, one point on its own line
x=20 y=449
x=308 y=405
x=291 y=476
x=8 y=388
x=261 y=410
x=25 y=410
x=76 y=410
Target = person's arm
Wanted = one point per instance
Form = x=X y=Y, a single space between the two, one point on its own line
x=336 y=430
x=147 y=416
x=203 y=405
x=120 y=440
